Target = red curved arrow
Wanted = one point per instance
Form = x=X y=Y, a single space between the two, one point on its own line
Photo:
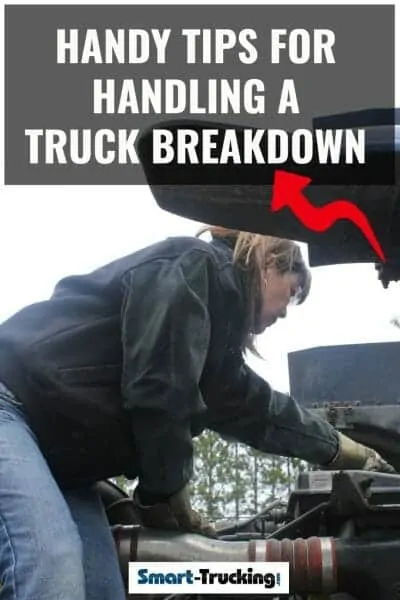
x=287 y=191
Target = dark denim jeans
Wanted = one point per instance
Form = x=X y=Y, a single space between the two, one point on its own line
x=53 y=545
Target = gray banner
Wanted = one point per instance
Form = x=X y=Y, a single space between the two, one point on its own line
x=82 y=83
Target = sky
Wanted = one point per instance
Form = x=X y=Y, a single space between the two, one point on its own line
x=48 y=232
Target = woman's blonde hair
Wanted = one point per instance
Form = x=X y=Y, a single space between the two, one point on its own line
x=254 y=253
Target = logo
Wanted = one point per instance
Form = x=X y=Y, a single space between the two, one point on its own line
x=209 y=578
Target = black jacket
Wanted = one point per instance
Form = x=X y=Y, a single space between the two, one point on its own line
x=121 y=367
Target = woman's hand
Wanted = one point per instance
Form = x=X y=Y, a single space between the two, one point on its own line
x=352 y=455
x=174 y=513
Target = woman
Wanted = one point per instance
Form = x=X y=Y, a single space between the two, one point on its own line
x=115 y=374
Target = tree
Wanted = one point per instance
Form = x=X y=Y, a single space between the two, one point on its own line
x=233 y=480
x=211 y=475
x=275 y=477
x=239 y=467
x=395 y=321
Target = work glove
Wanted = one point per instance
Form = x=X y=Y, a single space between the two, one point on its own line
x=175 y=513
x=352 y=455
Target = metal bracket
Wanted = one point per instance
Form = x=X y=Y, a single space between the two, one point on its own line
x=338 y=415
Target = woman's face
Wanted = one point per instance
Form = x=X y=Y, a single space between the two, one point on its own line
x=277 y=290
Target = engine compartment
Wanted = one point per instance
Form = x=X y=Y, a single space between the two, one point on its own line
x=339 y=531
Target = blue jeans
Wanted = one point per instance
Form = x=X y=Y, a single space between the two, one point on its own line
x=53 y=545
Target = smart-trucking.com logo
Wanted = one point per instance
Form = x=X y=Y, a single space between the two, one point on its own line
x=209 y=578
